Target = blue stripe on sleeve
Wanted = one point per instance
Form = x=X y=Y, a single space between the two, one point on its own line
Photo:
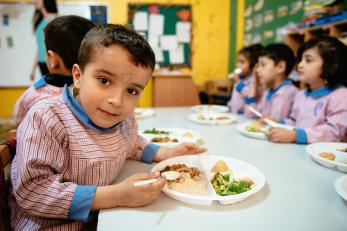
x=81 y=203
x=301 y=136
x=240 y=86
x=282 y=121
x=250 y=100
x=149 y=152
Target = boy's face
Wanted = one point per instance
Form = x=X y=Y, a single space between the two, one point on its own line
x=310 y=66
x=243 y=63
x=110 y=85
x=267 y=70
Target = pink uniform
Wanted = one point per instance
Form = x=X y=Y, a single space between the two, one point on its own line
x=61 y=157
x=40 y=90
x=277 y=102
x=319 y=115
x=240 y=92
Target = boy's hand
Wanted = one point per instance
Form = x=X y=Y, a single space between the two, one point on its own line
x=282 y=135
x=181 y=149
x=129 y=195
x=234 y=77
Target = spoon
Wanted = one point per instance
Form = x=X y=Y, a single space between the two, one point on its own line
x=169 y=175
x=268 y=121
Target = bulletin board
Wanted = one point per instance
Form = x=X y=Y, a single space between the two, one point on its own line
x=17 y=40
x=167 y=28
x=265 y=19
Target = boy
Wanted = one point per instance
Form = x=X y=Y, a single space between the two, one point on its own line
x=274 y=65
x=72 y=147
x=63 y=37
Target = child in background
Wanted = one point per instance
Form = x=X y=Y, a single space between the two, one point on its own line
x=319 y=113
x=63 y=37
x=274 y=65
x=246 y=60
x=70 y=148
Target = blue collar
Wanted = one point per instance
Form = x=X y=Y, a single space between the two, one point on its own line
x=272 y=92
x=323 y=91
x=81 y=115
x=40 y=83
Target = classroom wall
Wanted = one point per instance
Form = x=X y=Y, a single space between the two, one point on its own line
x=210 y=47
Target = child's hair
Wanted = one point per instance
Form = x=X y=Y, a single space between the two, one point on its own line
x=105 y=35
x=64 y=35
x=334 y=55
x=280 y=52
x=252 y=53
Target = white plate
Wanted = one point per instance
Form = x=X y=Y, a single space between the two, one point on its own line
x=205 y=163
x=341 y=186
x=211 y=118
x=210 y=108
x=257 y=135
x=331 y=147
x=141 y=113
x=175 y=133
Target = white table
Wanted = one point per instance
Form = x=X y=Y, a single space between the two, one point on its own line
x=299 y=194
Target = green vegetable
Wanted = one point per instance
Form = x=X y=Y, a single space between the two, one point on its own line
x=224 y=185
x=156 y=132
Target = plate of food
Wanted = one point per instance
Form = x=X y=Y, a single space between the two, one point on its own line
x=254 y=130
x=141 y=113
x=329 y=154
x=170 y=136
x=210 y=108
x=211 y=118
x=207 y=178
x=341 y=186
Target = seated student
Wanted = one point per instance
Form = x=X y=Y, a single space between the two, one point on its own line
x=63 y=37
x=274 y=65
x=70 y=148
x=319 y=113
x=246 y=60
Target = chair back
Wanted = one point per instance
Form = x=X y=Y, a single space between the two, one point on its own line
x=5 y=160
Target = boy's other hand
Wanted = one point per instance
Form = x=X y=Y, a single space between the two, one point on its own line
x=282 y=135
x=181 y=149
x=129 y=195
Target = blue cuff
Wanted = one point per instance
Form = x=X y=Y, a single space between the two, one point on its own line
x=240 y=86
x=282 y=121
x=250 y=100
x=149 y=152
x=301 y=136
x=81 y=203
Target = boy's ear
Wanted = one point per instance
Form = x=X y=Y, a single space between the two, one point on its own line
x=281 y=66
x=76 y=74
x=52 y=59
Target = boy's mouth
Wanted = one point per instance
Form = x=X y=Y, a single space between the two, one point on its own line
x=108 y=114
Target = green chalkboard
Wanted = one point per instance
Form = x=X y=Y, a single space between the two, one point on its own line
x=172 y=14
x=265 y=19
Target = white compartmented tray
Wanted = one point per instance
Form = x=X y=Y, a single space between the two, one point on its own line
x=205 y=163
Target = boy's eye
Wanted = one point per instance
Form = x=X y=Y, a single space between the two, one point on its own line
x=133 y=91
x=104 y=81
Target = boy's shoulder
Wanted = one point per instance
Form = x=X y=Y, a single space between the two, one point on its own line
x=51 y=107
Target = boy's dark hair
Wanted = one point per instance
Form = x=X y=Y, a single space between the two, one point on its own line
x=334 y=55
x=280 y=52
x=64 y=35
x=105 y=35
x=252 y=53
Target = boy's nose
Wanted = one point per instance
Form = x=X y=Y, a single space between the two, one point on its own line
x=115 y=100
